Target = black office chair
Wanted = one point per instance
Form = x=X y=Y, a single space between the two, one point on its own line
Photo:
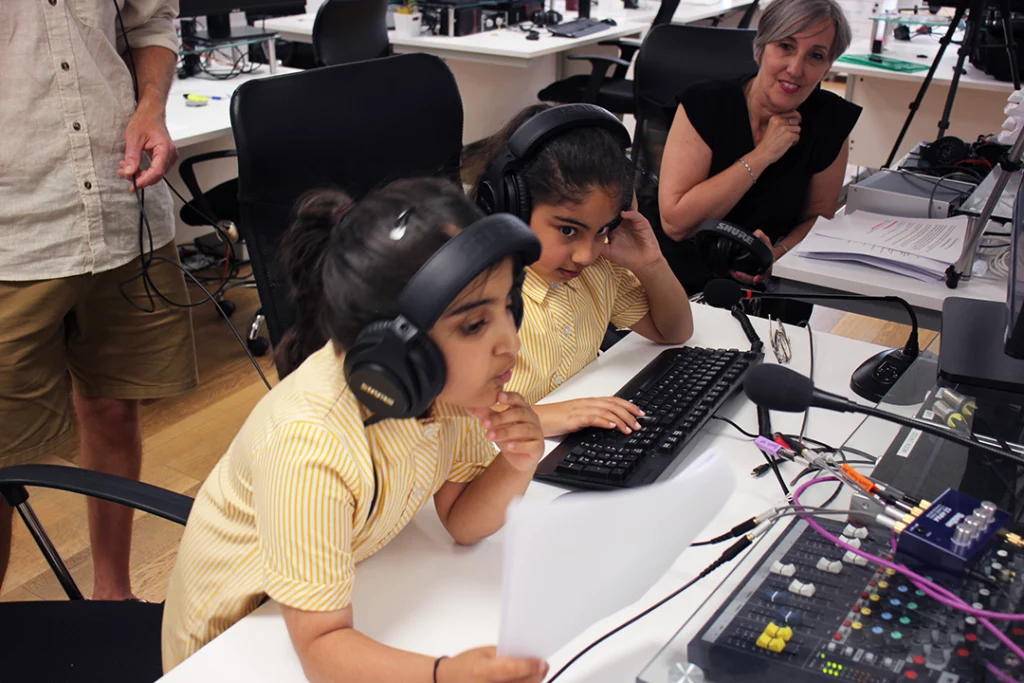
x=672 y=58
x=77 y=640
x=218 y=207
x=355 y=127
x=347 y=31
x=616 y=92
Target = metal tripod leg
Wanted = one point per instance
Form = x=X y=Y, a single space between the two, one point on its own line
x=916 y=104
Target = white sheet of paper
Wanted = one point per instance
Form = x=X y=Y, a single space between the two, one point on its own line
x=580 y=558
x=835 y=249
x=941 y=239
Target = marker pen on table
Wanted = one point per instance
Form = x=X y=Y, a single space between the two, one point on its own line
x=201 y=98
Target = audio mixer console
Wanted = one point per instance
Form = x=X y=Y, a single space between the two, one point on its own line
x=811 y=611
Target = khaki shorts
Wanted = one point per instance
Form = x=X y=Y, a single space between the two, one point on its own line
x=80 y=331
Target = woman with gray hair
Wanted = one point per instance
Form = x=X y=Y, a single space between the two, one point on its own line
x=766 y=152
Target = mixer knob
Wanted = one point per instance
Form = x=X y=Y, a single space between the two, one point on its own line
x=937 y=657
x=940 y=638
x=876 y=637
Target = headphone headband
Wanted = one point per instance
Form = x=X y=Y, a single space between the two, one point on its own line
x=460 y=261
x=495 y=194
x=556 y=121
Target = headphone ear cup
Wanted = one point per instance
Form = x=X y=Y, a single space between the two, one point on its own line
x=393 y=374
x=517 y=198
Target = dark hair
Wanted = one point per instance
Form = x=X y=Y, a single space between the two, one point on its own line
x=565 y=169
x=345 y=269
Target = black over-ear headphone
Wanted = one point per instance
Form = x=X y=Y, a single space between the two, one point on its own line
x=502 y=189
x=726 y=247
x=394 y=368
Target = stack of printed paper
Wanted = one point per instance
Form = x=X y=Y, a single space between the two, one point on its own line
x=921 y=248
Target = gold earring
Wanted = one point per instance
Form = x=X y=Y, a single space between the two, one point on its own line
x=607 y=239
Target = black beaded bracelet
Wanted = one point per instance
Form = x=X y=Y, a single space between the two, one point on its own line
x=437 y=663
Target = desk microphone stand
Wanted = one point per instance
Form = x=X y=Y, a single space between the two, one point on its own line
x=976 y=14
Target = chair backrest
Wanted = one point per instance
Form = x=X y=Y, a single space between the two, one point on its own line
x=672 y=58
x=665 y=13
x=353 y=127
x=347 y=31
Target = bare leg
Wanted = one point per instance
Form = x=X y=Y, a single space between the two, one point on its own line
x=6 y=513
x=111 y=443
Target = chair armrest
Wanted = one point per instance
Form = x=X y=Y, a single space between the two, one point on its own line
x=152 y=499
x=188 y=176
x=627 y=48
x=600 y=64
x=601 y=60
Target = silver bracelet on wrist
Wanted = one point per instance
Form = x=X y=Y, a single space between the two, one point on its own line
x=749 y=170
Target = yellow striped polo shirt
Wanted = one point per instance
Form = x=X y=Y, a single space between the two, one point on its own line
x=564 y=324
x=286 y=512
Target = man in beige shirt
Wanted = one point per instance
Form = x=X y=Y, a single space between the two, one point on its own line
x=75 y=144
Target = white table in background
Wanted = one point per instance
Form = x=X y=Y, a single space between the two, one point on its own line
x=425 y=594
x=800 y=275
x=886 y=96
x=500 y=72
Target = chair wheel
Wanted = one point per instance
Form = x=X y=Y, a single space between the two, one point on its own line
x=258 y=346
x=227 y=306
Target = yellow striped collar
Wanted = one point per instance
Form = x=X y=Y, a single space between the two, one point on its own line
x=537 y=288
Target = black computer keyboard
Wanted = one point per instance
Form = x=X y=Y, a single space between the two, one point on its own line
x=577 y=28
x=679 y=391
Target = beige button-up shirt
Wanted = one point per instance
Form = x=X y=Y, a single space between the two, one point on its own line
x=65 y=99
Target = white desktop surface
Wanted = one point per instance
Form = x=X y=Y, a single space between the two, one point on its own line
x=425 y=594
x=512 y=43
x=974 y=79
x=192 y=125
x=856 y=278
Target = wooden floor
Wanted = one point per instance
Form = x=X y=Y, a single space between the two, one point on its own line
x=186 y=435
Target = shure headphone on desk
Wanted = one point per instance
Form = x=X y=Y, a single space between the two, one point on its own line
x=394 y=368
x=502 y=188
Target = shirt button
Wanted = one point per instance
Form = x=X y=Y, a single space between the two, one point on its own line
x=88 y=185
x=76 y=125
x=557 y=379
x=65 y=66
x=418 y=491
x=567 y=330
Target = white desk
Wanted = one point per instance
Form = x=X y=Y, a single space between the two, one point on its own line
x=799 y=275
x=425 y=594
x=886 y=97
x=500 y=72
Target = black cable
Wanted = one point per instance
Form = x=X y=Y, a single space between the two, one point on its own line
x=810 y=346
x=731 y=553
x=223 y=315
x=145 y=227
x=735 y=426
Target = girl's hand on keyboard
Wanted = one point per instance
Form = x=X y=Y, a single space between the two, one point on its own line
x=482 y=665
x=515 y=428
x=604 y=413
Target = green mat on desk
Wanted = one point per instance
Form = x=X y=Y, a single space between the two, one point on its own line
x=887 y=63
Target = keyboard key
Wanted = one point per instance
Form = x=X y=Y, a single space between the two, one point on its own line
x=570 y=468
x=617 y=474
x=597 y=472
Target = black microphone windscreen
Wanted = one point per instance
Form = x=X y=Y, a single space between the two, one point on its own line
x=778 y=388
x=722 y=293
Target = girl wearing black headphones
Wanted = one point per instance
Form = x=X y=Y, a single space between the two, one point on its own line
x=565 y=171
x=316 y=481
